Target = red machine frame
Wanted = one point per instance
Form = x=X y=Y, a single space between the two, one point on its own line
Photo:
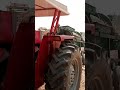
x=47 y=46
x=21 y=61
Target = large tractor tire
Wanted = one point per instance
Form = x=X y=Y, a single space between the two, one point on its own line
x=116 y=78
x=64 y=71
x=98 y=75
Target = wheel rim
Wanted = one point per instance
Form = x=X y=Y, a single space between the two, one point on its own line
x=96 y=84
x=74 y=75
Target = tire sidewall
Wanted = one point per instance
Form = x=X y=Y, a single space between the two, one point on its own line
x=102 y=70
x=76 y=57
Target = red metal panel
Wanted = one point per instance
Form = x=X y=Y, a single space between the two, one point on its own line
x=59 y=37
x=66 y=37
x=37 y=37
x=20 y=71
x=41 y=62
x=6 y=35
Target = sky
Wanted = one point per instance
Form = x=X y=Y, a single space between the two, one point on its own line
x=76 y=19
x=76 y=9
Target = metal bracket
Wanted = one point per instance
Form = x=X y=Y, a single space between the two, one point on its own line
x=55 y=21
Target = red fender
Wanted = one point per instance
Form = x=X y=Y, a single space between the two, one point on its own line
x=41 y=62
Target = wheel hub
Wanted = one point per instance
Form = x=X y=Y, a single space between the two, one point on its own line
x=72 y=75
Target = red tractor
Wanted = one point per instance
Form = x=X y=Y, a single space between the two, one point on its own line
x=54 y=58
x=58 y=61
x=102 y=51
x=16 y=48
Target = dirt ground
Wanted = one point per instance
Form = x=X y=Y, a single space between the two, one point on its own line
x=82 y=84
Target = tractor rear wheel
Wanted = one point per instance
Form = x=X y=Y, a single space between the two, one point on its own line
x=116 y=78
x=98 y=75
x=64 y=71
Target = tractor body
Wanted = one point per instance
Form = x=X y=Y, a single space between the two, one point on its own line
x=19 y=43
x=102 y=51
x=49 y=45
x=15 y=42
